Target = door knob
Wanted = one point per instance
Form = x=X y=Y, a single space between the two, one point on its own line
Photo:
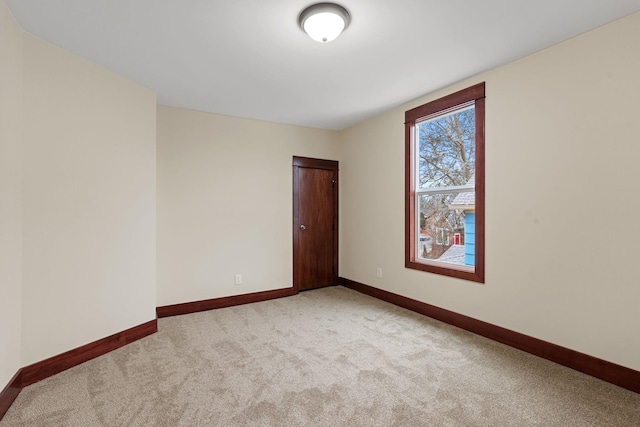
x=302 y=227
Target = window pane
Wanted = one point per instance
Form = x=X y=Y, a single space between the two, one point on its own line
x=446 y=147
x=446 y=228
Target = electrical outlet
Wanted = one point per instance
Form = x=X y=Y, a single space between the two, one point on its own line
x=238 y=279
x=379 y=272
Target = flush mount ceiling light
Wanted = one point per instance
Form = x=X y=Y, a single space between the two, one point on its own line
x=324 y=22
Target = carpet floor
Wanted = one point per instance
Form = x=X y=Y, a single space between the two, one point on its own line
x=328 y=357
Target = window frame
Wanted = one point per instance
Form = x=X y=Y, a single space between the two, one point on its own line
x=475 y=95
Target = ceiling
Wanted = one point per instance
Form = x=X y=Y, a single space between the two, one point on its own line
x=249 y=58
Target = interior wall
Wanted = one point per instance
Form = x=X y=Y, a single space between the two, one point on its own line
x=89 y=202
x=561 y=198
x=225 y=202
x=10 y=194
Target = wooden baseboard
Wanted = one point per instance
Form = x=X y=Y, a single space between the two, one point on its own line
x=210 y=304
x=602 y=369
x=10 y=392
x=56 y=364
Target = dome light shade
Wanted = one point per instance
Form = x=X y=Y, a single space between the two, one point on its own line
x=323 y=22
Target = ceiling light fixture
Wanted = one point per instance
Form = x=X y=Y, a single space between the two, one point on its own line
x=324 y=22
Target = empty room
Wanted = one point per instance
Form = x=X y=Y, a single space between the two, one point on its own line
x=287 y=213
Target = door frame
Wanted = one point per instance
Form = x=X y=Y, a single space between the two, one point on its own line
x=312 y=163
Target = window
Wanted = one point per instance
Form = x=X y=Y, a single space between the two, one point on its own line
x=444 y=180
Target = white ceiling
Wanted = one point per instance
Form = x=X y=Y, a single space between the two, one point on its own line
x=249 y=58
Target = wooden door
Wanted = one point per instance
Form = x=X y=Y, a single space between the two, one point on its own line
x=315 y=223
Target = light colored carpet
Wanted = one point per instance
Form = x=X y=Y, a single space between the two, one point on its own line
x=328 y=357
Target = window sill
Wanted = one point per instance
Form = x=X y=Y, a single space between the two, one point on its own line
x=464 y=272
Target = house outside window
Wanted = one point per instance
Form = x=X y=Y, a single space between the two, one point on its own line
x=442 y=236
x=444 y=200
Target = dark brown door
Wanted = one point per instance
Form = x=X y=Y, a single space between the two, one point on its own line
x=315 y=223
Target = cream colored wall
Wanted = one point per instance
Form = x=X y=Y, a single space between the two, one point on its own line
x=10 y=194
x=562 y=199
x=225 y=202
x=89 y=202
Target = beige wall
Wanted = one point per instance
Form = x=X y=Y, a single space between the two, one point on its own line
x=10 y=194
x=562 y=199
x=89 y=202
x=225 y=202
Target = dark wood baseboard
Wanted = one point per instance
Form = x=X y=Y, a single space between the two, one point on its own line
x=10 y=392
x=56 y=364
x=602 y=369
x=210 y=304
